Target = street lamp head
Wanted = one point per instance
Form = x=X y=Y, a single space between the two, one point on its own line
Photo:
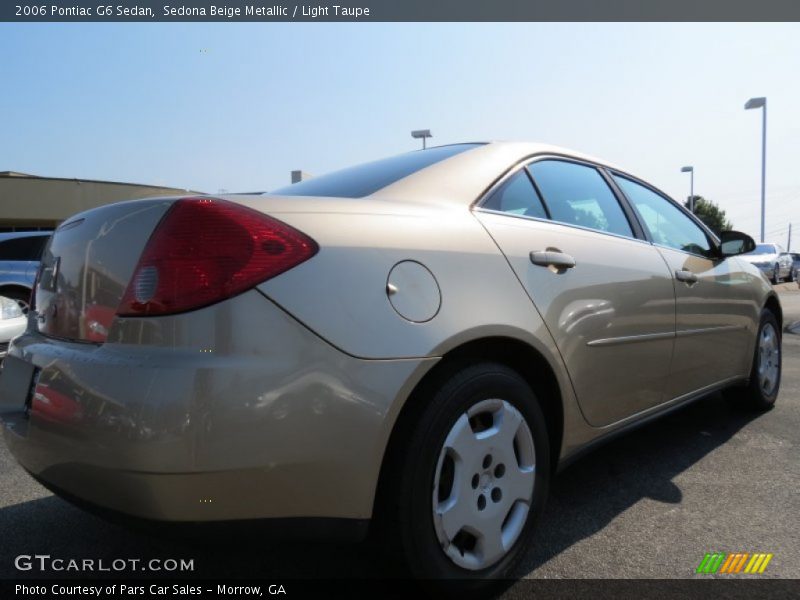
x=755 y=103
x=421 y=133
x=687 y=169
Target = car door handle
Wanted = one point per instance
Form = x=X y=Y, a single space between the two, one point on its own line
x=550 y=258
x=686 y=276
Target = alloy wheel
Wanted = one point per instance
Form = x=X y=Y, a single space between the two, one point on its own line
x=768 y=358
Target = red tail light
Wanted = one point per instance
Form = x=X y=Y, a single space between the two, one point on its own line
x=205 y=250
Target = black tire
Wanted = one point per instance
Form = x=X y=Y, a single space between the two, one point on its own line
x=753 y=396
x=449 y=398
x=775 y=272
x=792 y=276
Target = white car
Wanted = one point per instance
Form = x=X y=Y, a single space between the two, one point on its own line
x=12 y=322
x=773 y=261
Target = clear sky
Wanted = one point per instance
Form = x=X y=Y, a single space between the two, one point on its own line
x=237 y=106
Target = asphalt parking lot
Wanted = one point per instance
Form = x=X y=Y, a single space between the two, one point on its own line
x=648 y=505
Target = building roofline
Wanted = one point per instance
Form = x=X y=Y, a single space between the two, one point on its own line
x=17 y=175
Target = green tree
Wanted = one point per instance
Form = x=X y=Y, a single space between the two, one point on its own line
x=711 y=214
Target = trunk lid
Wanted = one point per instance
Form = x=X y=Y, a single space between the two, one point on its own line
x=87 y=265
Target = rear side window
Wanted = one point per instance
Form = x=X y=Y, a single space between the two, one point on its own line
x=668 y=225
x=579 y=195
x=23 y=248
x=517 y=196
x=366 y=179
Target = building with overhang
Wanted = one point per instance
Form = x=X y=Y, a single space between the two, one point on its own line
x=29 y=202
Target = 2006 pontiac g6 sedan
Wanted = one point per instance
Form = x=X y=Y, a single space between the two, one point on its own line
x=417 y=343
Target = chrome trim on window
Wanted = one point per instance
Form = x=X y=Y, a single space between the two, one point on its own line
x=560 y=224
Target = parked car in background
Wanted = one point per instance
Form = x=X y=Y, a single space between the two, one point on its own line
x=795 y=265
x=419 y=342
x=772 y=260
x=20 y=252
x=12 y=322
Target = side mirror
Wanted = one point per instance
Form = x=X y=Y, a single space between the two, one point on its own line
x=735 y=242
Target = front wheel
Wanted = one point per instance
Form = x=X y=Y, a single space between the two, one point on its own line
x=762 y=388
x=474 y=478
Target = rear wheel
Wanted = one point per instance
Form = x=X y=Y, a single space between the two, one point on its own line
x=474 y=478
x=762 y=389
x=775 y=274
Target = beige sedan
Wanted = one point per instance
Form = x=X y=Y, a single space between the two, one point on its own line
x=414 y=345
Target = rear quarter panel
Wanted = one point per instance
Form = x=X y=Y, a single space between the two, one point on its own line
x=341 y=293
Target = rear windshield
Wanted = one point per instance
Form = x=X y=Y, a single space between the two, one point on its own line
x=363 y=180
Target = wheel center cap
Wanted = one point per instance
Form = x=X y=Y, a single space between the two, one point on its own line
x=485 y=480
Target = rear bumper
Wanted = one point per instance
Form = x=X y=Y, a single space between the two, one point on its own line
x=292 y=528
x=231 y=412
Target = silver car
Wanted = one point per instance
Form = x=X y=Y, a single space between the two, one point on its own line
x=12 y=322
x=772 y=261
x=415 y=345
x=795 y=266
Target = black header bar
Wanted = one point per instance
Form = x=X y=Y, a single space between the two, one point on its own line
x=150 y=11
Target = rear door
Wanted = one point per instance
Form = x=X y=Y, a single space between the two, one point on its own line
x=713 y=302
x=605 y=294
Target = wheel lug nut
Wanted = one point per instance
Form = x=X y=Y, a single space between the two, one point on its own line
x=481 y=502
x=496 y=495
x=499 y=470
x=475 y=481
x=487 y=461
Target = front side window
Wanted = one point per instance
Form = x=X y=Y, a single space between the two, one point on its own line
x=668 y=225
x=579 y=195
x=517 y=196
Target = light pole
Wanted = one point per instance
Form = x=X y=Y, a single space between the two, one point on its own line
x=761 y=103
x=421 y=133
x=690 y=170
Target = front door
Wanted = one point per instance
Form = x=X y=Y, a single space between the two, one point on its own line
x=713 y=308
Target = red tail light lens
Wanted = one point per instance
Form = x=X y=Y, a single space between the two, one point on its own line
x=205 y=250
